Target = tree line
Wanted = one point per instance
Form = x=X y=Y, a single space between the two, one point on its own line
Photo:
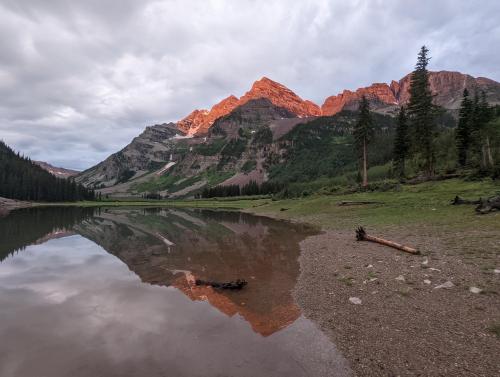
x=251 y=188
x=473 y=133
x=417 y=129
x=22 y=179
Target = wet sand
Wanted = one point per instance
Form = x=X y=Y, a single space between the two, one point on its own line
x=405 y=325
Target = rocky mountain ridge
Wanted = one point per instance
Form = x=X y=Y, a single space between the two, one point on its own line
x=58 y=172
x=447 y=86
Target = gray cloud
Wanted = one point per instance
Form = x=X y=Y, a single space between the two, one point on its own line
x=80 y=79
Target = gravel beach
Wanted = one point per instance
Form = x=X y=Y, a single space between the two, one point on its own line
x=396 y=314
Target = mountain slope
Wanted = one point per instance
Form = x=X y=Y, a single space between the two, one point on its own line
x=149 y=151
x=58 y=172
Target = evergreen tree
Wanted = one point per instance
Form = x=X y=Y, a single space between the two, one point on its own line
x=401 y=143
x=421 y=112
x=363 y=133
x=464 y=129
x=485 y=114
x=21 y=179
x=480 y=134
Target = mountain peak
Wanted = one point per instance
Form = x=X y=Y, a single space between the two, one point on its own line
x=199 y=121
x=281 y=96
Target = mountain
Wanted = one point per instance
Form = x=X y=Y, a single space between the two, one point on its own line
x=58 y=172
x=22 y=179
x=199 y=121
x=269 y=134
x=446 y=86
x=148 y=152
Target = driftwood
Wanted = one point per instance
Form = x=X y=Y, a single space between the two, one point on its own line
x=354 y=203
x=422 y=179
x=362 y=236
x=458 y=200
x=488 y=205
x=234 y=285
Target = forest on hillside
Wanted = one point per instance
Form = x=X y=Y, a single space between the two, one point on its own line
x=22 y=179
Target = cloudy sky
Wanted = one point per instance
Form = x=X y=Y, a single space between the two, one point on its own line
x=80 y=78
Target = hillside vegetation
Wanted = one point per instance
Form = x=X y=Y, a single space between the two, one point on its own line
x=22 y=179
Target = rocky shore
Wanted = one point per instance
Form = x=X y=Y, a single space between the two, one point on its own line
x=396 y=314
x=7 y=205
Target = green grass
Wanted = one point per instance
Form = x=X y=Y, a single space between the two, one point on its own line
x=156 y=183
x=426 y=203
x=215 y=203
x=423 y=204
x=210 y=149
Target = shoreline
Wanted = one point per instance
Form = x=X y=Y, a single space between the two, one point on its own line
x=7 y=205
x=406 y=324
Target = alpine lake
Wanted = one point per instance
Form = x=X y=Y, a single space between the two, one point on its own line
x=112 y=292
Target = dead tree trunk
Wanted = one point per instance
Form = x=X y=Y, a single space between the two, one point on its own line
x=458 y=200
x=488 y=153
x=358 y=202
x=365 y=169
x=362 y=236
x=488 y=205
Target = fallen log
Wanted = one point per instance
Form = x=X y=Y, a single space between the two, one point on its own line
x=362 y=236
x=233 y=285
x=458 y=201
x=354 y=203
x=488 y=205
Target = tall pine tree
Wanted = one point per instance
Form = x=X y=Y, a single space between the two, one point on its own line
x=422 y=112
x=401 y=143
x=484 y=115
x=463 y=132
x=363 y=133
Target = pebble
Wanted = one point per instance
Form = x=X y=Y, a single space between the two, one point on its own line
x=496 y=270
x=427 y=281
x=355 y=300
x=475 y=290
x=400 y=278
x=434 y=269
x=425 y=262
x=369 y=266
x=448 y=284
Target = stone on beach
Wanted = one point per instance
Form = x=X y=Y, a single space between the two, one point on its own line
x=448 y=284
x=355 y=300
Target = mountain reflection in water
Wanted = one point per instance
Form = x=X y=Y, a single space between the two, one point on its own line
x=169 y=248
x=172 y=247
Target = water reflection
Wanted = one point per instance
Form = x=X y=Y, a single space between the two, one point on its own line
x=68 y=297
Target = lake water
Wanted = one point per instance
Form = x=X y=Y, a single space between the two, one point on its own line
x=109 y=292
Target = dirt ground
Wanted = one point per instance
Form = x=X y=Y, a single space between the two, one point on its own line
x=385 y=309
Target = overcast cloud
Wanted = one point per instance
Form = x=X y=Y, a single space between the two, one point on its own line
x=79 y=79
